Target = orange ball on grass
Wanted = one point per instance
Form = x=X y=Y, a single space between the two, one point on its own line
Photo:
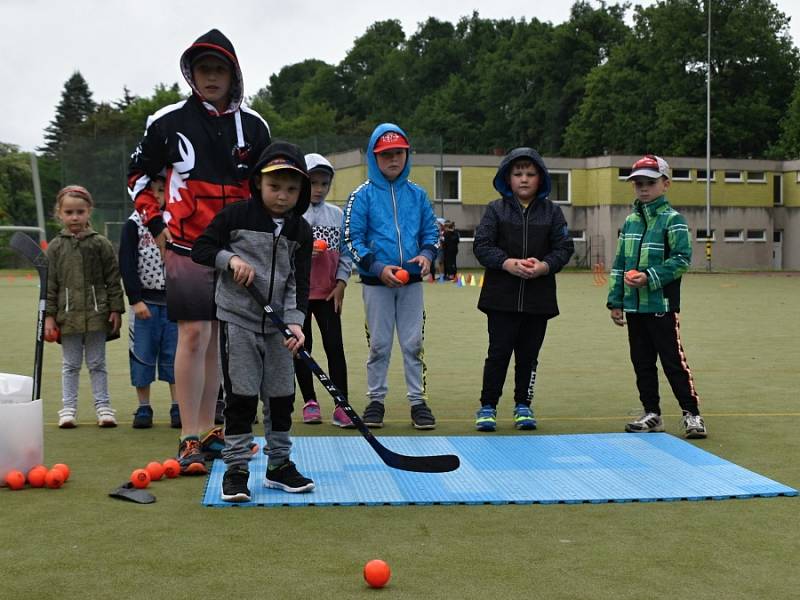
x=15 y=480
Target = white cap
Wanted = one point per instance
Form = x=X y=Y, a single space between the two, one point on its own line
x=317 y=161
x=651 y=166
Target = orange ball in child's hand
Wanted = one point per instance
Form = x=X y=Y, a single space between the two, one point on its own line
x=632 y=273
x=402 y=275
x=377 y=573
x=54 y=478
x=36 y=476
x=172 y=468
x=155 y=469
x=64 y=469
x=140 y=478
x=53 y=336
x=320 y=245
x=15 y=480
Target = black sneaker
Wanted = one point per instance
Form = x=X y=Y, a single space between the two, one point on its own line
x=422 y=417
x=287 y=478
x=373 y=414
x=219 y=418
x=234 y=485
x=191 y=457
x=143 y=417
x=175 y=416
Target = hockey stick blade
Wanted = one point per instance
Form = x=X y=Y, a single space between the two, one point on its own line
x=25 y=246
x=441 y=463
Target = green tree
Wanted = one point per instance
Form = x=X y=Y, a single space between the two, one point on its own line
x=75 y=107
x=788 y=144
x=650 y=95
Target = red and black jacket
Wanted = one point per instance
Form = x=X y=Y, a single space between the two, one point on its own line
x=206 y=156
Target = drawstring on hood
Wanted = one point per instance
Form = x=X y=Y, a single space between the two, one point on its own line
x=500 y=181
x=215 y=41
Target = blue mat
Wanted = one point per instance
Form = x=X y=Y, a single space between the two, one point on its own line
x=540 y=469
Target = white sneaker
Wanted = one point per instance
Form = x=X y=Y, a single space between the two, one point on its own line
x=648 y=422
x=694 y=426
x=105 y=417
x=67 y=418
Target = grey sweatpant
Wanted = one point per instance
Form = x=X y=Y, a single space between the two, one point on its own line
x=73 y=346
x=256 y=365
x=387 y=308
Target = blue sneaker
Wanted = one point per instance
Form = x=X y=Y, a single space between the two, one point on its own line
x=143 y=417
x=523 y=417
x=486 y=418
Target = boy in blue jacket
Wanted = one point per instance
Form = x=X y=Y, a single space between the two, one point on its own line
x=390 y=229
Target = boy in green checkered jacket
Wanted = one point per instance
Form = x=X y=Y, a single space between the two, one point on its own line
x=653 y=252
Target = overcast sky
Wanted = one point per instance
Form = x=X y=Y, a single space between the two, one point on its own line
x=138 y=42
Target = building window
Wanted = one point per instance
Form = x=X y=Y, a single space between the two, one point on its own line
x=701 y=235
x=448 y=185
x=756 y=177
x=560 y=191
x=756 y=235
x=701 y=175
x=625 y=173
x=681 y=175
x=733 y=176
x=777 y=190
x=577 y=235
x=734 y=235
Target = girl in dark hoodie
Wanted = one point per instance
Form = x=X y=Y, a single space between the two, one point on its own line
x=522 y=241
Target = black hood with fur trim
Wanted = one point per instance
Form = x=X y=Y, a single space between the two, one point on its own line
x=293 y=154
x=215 y=41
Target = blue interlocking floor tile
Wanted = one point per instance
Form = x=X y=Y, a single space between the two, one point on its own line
x=532 y=469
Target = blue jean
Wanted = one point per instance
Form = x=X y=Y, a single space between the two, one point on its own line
x=151 y=344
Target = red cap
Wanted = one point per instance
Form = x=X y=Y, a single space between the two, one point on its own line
x=389 y=141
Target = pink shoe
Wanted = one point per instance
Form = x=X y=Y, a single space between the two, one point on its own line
x=340 y=419
x=311 y=413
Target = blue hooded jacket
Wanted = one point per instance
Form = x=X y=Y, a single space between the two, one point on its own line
x=388 y=222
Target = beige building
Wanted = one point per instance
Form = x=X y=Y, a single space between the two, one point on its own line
x=754 y=217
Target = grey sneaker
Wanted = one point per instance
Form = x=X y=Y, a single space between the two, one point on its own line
x=694 y=427
x=647 y=423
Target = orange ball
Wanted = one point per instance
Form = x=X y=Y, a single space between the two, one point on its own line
x=155 y=470
x=402 y=275
x=140 y=478
x=15 y=480
x=377 y=573
x=172 y=468
x=53 y=337
x=54 y=478
x=632 y=273
x=36 y=476
x=64 y=469
x=320 y=245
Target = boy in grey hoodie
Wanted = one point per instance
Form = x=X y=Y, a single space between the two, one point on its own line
x=266 y=243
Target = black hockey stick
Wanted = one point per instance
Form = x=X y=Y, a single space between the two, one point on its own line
x=26 y=247
x=441 y=463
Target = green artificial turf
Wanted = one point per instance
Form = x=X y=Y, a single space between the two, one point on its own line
x=741 y=336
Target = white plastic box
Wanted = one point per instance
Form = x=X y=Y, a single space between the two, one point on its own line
x=21 y=426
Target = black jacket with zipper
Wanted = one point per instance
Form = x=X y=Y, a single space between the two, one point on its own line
x=508 y=231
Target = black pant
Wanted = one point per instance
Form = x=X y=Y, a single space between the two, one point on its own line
x=330 y=326
x=450 y=268
x=654 y=336
x=523 y=335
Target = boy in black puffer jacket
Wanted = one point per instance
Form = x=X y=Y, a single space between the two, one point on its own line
x=522 y=241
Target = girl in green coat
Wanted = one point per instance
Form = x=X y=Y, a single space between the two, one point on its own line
x=84 y=303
